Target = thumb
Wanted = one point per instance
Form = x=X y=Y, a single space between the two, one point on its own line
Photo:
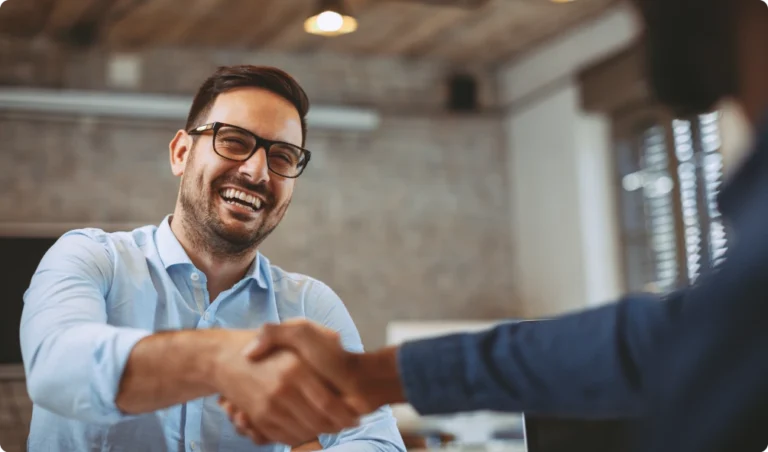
x=259 y=347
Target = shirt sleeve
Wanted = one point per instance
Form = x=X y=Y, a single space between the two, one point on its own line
x=587 y=364
x=377 y=431
x=72 y=358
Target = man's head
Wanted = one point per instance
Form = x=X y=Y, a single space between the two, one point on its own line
x=696 y=50
x=238 y=157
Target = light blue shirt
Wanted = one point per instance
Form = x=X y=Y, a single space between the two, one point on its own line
x=95 y=294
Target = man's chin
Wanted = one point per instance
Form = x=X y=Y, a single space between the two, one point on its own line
x=237 y=236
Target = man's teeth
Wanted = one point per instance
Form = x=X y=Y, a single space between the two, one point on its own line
x=231 y=193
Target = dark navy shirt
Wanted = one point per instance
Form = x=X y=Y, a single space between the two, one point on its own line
x=693 y=365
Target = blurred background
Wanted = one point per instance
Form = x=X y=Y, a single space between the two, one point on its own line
x=474 y=161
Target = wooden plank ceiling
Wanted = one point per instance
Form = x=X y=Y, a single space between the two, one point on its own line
x=490 y=32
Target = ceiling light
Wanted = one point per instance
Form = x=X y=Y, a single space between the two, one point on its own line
x=330 y=18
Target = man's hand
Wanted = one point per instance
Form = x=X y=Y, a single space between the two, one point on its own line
x=281 y=399
x=365 y=381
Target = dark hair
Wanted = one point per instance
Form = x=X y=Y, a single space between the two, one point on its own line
x=227 y=78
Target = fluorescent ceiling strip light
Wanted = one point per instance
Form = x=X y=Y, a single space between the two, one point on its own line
x=152 y=106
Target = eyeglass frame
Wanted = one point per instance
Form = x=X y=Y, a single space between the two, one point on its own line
x=260 y=142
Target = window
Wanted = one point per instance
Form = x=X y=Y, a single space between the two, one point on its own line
x=670 y=171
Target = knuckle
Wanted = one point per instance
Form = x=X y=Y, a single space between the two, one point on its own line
x=279 y=394
x=293 y=367
x=268 y=329
x=326 y=402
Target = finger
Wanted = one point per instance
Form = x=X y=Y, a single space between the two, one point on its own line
x=318 y=346
x=241 y=423
x=281 y=427
x=258 y=348
x=254 y=434
x=243 y=426
x=239 y=420
x=261 y=345
x=227 y=407
x=307 y=414
x=338 y=414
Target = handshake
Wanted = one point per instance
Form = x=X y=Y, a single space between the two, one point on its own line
x=295 y=381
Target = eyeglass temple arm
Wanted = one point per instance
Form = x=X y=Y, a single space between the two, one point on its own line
x=203 y=128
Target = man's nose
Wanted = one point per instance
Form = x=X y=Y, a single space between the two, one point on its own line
x=256 y=167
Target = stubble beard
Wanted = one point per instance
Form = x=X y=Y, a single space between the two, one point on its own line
x=209 y=234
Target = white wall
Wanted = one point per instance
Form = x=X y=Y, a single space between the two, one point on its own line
x=562 y=57
x=564 y=220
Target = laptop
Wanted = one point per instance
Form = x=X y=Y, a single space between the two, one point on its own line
x=553 y=434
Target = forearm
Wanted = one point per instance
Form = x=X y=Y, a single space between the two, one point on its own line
x=585 y=364
x=173 y=367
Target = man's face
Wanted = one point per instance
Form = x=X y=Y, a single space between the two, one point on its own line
x=228 y=227
x=691 y=48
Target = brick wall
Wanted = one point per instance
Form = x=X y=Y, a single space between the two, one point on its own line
x=387 y=83
x=410 y=221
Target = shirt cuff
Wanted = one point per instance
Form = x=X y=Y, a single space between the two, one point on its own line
x=110 y=361
x=433 y=374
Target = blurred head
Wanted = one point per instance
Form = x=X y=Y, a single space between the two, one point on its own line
x=230 y=197
x=691 y=47
x=696 y=49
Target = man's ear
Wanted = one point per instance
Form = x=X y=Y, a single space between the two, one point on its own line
x=180 y=147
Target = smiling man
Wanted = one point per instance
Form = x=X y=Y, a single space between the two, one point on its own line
x=130 y=338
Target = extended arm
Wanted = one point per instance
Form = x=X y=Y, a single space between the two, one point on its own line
x=80 y=367
x=586 y=364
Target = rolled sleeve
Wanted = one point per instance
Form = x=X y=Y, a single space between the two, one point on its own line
x=377 y=431
x=73 y=359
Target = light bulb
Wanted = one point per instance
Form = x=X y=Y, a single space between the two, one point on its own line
x=329 y=21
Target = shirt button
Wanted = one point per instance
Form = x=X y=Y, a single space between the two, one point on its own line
x=194 y=276
x=192 y=445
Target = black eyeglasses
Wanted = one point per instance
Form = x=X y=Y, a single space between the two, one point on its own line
x=238 y=144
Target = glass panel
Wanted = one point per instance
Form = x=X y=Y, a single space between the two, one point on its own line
x=686 y=171
x=657 y=190
x=713 y=178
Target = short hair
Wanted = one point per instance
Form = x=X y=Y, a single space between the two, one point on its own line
x=227 y=78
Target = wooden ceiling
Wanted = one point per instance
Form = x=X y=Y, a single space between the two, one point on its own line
x=492 y=32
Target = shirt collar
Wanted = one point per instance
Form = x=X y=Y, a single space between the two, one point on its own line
x=172 y=253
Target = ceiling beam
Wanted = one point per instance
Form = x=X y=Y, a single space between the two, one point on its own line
x=195 y=18
x=132 y=28
x=24 y=18
x=433 y=24
x=65 y=14
x=281 y=13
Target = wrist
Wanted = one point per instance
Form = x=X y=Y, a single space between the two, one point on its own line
x=222 y=349
x=377 y=377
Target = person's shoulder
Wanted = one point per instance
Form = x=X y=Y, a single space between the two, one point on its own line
x=284 y=279
x=131 y=238
x=301 y=296
x=95 y=241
